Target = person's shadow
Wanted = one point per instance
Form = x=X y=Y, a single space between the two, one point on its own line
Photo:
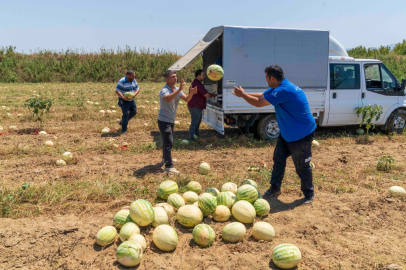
x=153 y=168
x=279 y=206
x=111 y=134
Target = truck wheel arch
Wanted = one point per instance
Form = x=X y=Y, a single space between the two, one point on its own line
x=397 y=118
x=267 y=127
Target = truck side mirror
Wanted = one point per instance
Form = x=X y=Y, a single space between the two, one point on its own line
x=403 y=85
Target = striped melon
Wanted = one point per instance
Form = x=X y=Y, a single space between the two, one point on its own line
x=138 y=238
x=176 y=200
x=141 y=212
x=168 y=208
x=196 y=204
x=127 y=230
x=106 y=235
x=189 y=216
x=286 y=256
x=129 y=254
x=229 y=186
x=225 y=199
x=121 y=218
x=190 y=197
x=263 y=231
x=222 y=213
x=166 y=188
x=244 y=212
x=213 y=191
x=203 y=235
x=262 y=207
x=194 y=186
x=247 y=193
x=161 y=217
x=249 y=182
x=233 y=196
x=234 y=232
x=207 y=203
x=165 y=237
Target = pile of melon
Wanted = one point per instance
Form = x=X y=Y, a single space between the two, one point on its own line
x=243 y=203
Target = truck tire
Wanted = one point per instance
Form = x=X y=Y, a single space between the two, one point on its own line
x=396 y=121
x=268 y=128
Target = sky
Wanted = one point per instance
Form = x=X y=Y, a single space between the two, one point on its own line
x=177 y=25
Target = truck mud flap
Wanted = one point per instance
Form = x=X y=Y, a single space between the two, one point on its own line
x=214 y=118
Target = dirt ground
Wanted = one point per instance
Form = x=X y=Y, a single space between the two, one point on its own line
x=50 y=215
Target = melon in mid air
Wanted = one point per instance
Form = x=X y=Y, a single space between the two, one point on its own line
x=215 y=72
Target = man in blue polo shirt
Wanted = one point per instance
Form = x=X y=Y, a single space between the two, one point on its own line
x=296 y=125
x=127 y=104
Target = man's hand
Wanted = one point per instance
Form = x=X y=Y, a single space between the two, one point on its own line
x=238 y=91
x=193 y=90
x=182 y=84
x=213 y=96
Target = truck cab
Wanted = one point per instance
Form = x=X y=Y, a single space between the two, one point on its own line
x=334 y=83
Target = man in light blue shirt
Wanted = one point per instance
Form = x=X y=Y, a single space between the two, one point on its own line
x=127 y=104
x=296 y=124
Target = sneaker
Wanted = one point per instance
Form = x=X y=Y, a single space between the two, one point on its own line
x=123 y=132
x=271 y=193
x=120 y=123
x=308 y=199
x=171 y=170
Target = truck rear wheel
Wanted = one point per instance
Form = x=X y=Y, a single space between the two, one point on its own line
x=268 y=128
x=396 y=122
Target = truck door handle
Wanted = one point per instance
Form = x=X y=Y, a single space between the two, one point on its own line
x=334 y=95
x=362 y=95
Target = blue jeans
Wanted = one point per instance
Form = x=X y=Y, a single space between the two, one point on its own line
x=196 y=115
x=129 y=110
x=301 y=152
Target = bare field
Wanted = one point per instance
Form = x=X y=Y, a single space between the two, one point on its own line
x=50 y=215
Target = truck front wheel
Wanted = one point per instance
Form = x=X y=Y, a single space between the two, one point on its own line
x=268 y=128
x=396 y=122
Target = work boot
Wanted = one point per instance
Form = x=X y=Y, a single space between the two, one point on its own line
x=271 y=193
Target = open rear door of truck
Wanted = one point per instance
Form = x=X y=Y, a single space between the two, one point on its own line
x=185 y=60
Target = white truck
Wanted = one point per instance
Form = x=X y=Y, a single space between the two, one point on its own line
x=334 y=83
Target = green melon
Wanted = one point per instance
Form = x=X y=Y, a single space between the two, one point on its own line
x=224 y=198
x=213 y=191
x=250 y=182
x=176 y=200
x=203 y=235
x=142 y=212
x=166 y=188
x=121 y=218
x=129 y=254
x=204 y=168
x=128 y=95
x=106 y=235
x=189 y=216
x=194 y=186
x=215 y=72
x=262 y=207
x=360 y=131
x=127 y=230
x=247 y=193
x=286 y=256
x=207 y=203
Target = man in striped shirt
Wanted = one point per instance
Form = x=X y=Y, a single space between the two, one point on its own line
x=127 y=103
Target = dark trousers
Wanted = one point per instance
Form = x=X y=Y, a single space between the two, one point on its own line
x=166 y=130
x=129 y=110
x=196 y=115
x=301 y=152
